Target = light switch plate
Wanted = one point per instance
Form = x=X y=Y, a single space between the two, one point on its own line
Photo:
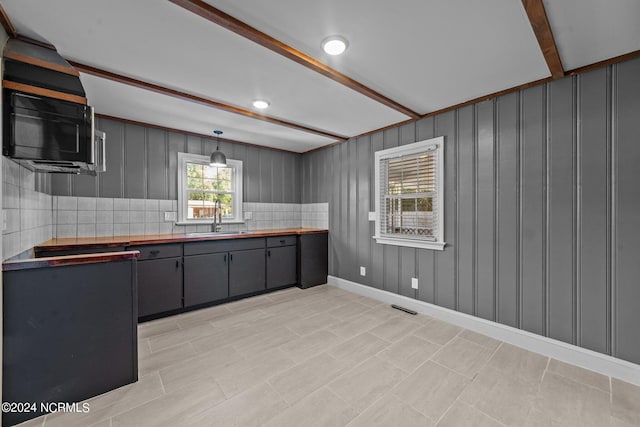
x=363 y=271
x=414 y=283
x=248 y=215
x=372 y=216
x=170 y=216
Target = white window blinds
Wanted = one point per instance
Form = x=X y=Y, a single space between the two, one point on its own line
x=409 y=195
x=409 y=198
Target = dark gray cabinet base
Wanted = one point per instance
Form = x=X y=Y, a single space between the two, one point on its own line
x=281 y=266
x=70 y=333
x=313 y=259
x=159 y=285
x=206 y=278
x=246 y=272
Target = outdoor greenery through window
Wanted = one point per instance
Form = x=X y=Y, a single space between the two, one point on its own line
x=205 y=185
x=409 y=195
x=201 y=185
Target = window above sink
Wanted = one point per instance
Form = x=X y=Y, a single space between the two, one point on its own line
x=201 y=185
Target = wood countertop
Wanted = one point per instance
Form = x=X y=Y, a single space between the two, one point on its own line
x=59 y=261
x=150 y=239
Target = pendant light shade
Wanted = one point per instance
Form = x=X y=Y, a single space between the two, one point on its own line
x=218 y=159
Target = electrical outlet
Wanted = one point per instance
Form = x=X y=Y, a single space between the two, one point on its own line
x=372 y=216
x=414 y=283
x=248 y=215
x=363 y=271
x=170 y=216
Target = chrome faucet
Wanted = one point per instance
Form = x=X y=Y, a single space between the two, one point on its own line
x=217 y=220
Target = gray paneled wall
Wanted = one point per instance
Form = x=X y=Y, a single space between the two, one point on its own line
x=142 y=164
x=542 y=210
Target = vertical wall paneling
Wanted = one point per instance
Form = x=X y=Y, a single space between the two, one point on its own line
x=377 y=250
x=407 y=255
x=391 y=253
x=363 y=207
x=560 y=198
x=135 y=183
x=277 y=183
x=157 y=183
x=466 y=210
x=251 y=180
x=352 y=212
x=445 y=260
x=266 y=177
x=593 y=207
x=346 y=265
x=176 y=143
x=194 y=144
x=425 y=129
x=532 y=209
x=627 y=131
x=485 y=233
x=507 y=146
x=335 y=223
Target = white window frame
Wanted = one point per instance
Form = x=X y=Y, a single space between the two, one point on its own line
x=183 y=159
x=406 y=150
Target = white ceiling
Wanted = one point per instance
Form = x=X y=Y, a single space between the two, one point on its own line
x=423 y=54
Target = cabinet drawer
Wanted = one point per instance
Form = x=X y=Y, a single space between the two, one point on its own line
x=199 y=248
x=158 y=251
x=276 y=241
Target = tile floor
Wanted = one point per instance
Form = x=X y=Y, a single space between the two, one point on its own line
x=326 y=357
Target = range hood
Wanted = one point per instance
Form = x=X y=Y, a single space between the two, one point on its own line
x=48 y=126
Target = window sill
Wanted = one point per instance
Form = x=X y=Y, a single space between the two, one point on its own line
x=437 y=246
x=206 y=222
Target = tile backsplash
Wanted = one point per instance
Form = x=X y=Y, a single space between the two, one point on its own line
x=96 y=216
x=28 y=213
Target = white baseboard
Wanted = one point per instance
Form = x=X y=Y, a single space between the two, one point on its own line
x=588 y=359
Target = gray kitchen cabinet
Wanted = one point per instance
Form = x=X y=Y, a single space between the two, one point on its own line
x=246 y=272
x=206 y=278
x=313 y=259
x=159 y=278
x=281 y=261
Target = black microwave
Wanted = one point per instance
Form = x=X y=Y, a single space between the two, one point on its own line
x=47 y=134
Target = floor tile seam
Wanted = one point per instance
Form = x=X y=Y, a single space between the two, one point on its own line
x=186 y=342
x=580 y=383
x=610 y=392
x=457 y=400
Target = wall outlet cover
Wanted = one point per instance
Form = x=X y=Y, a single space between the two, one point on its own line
x=372 y=216
x=170 y=216
x=248 y=215
x=414 y=283
x=363 y=271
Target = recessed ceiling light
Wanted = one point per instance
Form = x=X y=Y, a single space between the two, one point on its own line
x=261 y=104
x=334 y=45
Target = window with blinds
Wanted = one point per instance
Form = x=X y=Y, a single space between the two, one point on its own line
x=408 y=195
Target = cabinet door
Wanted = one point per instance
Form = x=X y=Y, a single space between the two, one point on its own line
x=246 y=272
x=206 y=278
x=281 y=266
x=313 y=259
x=159 y=285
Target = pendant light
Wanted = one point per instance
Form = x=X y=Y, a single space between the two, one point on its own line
x=218 y=159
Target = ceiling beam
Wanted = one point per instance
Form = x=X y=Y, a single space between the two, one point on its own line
x=87 y=69
x=542 y=30
x=230 y=23
x=6 y=23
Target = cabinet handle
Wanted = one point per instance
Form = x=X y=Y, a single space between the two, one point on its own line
x=225 y=258
x=154 y=252
x=282 y=241
x=268 y=253
x=230 y=257
x=177 y=264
